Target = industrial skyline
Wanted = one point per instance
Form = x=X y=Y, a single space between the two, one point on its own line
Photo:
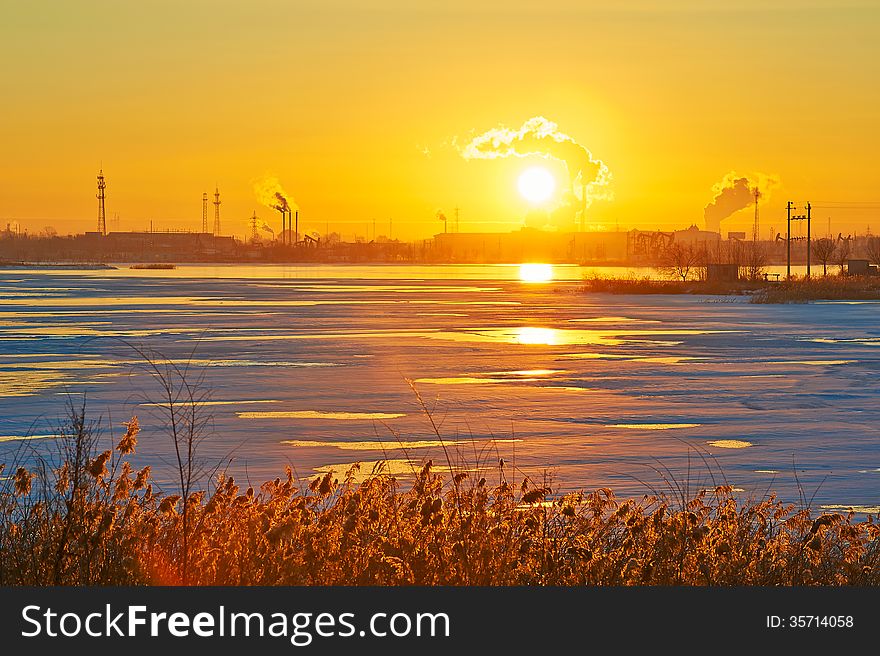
x=367 y=114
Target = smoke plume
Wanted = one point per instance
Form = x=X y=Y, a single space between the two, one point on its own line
x=735 y=192
x=270 y=193
x=539 y=136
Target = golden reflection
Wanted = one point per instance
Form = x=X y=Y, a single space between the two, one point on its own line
x=20 y=438
x=528 y=372
x=390 y=467
x=533 y=272
x=532 y=335
x=472 y=380
x=814 y=363
x=614 y=320
x=654 y=426
x=314 y=414
x=212 y=403
x=374 y=445
x=27 y=383
x=862 y=510
x=730 y=444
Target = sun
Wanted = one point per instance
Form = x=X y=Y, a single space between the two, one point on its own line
x=536 y=184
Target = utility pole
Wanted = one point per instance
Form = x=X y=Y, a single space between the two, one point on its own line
x=798 y=217
x=788 y=208
x=102 y=216
x=808 y=239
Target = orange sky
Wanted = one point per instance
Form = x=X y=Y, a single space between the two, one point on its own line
x=358 y=107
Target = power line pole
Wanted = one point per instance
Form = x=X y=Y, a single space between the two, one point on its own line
x=798 y=217
x=808 y=239
x=788 y=208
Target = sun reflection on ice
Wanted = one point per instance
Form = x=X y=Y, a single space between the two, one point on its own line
x=533 y=335
x=536 y=272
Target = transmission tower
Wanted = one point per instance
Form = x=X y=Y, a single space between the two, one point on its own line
x=216 y=211
x=255 y=232
x=204 y=212
x=102 y=216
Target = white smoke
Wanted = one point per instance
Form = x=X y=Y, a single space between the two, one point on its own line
x=589 y=176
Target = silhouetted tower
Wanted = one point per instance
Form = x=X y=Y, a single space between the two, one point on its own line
x=216 y=211
x=204 y=212
x=757 y=228
x=255 y=234
x=102 y=216
x=456 y=220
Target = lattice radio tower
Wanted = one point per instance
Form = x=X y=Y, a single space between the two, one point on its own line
x=102 y=215
x=205 y=212
x=255 y=231
x=216 y=211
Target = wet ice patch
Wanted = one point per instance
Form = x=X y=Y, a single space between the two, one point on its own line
x=22 y=438
x=858 y=509
x=653 y=426
x=730 y=444
x=374 y=445
x=315 y=414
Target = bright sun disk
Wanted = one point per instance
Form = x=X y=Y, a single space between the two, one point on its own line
x=536 y=184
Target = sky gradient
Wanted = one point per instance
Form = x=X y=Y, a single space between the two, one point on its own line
x=360 y=109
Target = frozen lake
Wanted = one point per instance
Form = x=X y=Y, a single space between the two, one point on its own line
x=308 y=366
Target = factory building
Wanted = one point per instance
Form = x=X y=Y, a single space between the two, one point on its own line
x=530 y=244
x=160 y=246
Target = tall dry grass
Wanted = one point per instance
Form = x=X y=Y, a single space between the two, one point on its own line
x=644 y=285
x=90 y=518
x=804 y=290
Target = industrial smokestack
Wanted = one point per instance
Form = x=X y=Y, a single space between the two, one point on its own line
x=270 y=193
x=733 y=193
x=281 y=209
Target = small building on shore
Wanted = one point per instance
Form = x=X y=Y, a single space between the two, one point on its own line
x=722 y=272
